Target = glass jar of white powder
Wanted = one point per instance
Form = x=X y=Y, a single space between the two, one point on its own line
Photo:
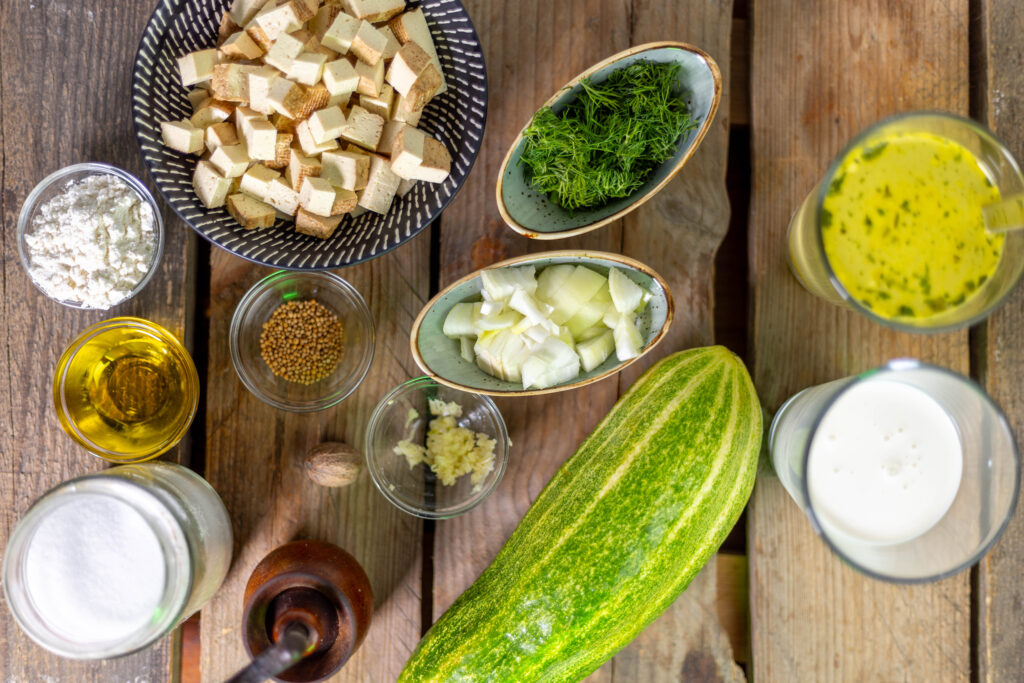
x=106 y=564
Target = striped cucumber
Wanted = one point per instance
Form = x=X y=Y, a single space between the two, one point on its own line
x=619 y=531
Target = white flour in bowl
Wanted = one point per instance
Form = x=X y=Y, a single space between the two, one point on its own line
x=93 y=243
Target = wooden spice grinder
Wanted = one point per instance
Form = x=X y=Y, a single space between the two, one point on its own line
x=314 y=589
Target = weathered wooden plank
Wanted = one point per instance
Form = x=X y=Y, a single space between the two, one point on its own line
x=1000 y=589
x=59 y=109
x=254 y=460
x=820 y=72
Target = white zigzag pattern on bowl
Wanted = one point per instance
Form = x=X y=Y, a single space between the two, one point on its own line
x=456 y=118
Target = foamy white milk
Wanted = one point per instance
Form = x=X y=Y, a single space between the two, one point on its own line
x=94 y=569
x=885 y=463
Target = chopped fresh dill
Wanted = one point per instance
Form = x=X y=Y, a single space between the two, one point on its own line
x=605 y=144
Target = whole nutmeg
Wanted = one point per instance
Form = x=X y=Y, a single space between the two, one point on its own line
x=333 y=463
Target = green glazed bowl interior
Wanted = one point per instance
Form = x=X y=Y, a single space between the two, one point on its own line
x=536 y=213
x=440 y=356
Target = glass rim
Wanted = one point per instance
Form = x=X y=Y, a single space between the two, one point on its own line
x=500 y=456
x=895 y=366
x=97 y=168
x=243 y=310
x=61 y=372
x=180 y=563
x=822 y=191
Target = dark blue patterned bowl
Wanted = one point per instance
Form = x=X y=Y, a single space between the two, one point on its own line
x=456 y=118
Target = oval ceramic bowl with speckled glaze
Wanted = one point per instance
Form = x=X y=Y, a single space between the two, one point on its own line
x=439 y=356
x=535 y=215
x=456 y=118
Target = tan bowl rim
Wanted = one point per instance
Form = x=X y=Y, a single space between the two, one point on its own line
x=570 y=253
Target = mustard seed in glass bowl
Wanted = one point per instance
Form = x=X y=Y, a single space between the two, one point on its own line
x=314 y=353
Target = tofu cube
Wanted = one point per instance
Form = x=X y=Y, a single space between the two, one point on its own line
x=286 y=97
x=311 y=147
x=345 y=170
x=307 y=68
x=368 y=44
x=391 y=46
x=317 y=226
x=417 y=156
x=412 y=26
x=316 y=196
x=196 y=96
x=182 y=136
x=401 y=112
x=371 y=78
x=411 y=61
x=282 y=197
x=323 y=19
x=381 y=186
x=197 y=66
x=344 y=201
x=283 y=123
x=313 y=98
x=301 y=167
x=282 y=150
x=211 y=187
x=256 y=180
x=259 y=37
x=326 y=124
x=380 y=105
x=374 y=10
x=260 y=81
x=261 y=139
x=278 y=21
x=243 y=115
x=220 y=134
x=424 y=89
x=304 y=9
x=242 y=11
x=211 y=111
x=340 y=77
x=250 y=212
x=387 y=137
x=363 y=128
x=340 y=33
x=231 y=82
x=339 y=100
x=284 y=51
x=240 y=45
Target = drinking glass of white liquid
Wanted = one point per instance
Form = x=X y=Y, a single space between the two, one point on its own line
x=106 y=564
x=909 y=472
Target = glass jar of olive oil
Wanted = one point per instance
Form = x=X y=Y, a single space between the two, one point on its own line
x=126 y=390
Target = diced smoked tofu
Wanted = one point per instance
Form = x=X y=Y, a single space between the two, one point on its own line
x=197 y=66
x=317 y=226
x=392 y=45
x=340 y=33
x=307 y=68
x=220 y=134
x=280 y=20
x=256 y=180
x=283 y=123
x=346 y=170
x=363 y=128
x=316 y=196
x=411 y=61
x=368 y=44
x=304 y=10
x=242 y=11
x=344 y=201
x=371 y=78
x=210 y=186
x=243 y=115
x=340 y=77
x=250 y=213
x=404 y=187
x=230 y=160
x=286 y=97
x=259 y=36
x=226 y=28
x=240 y=45
x=381 y=186
x=231 y=82
x=260 y=81
x=309 y=41
x=416 y=156
x=197 y=96
x=339 y=100
x=301 y=167
x=401 y=112
x=387 y=137
x=310 y=147
x=380 y=105
x=282 y=197
x=261 y=139
x=182 y=136
x=313 y=98
x=211 y=111
x=424 y=89
x=282 y=150
x=412 y=26
x=323 y=19
x=326 y=124
x=283 y=52
x=374 y=10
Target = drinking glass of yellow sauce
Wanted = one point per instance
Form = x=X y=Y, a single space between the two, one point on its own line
x=896 y=228
x=126 y=390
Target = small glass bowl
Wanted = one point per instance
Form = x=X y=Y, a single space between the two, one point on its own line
x=54 y=184
x=255 y=309
x=77 y=370
x=416 y=490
